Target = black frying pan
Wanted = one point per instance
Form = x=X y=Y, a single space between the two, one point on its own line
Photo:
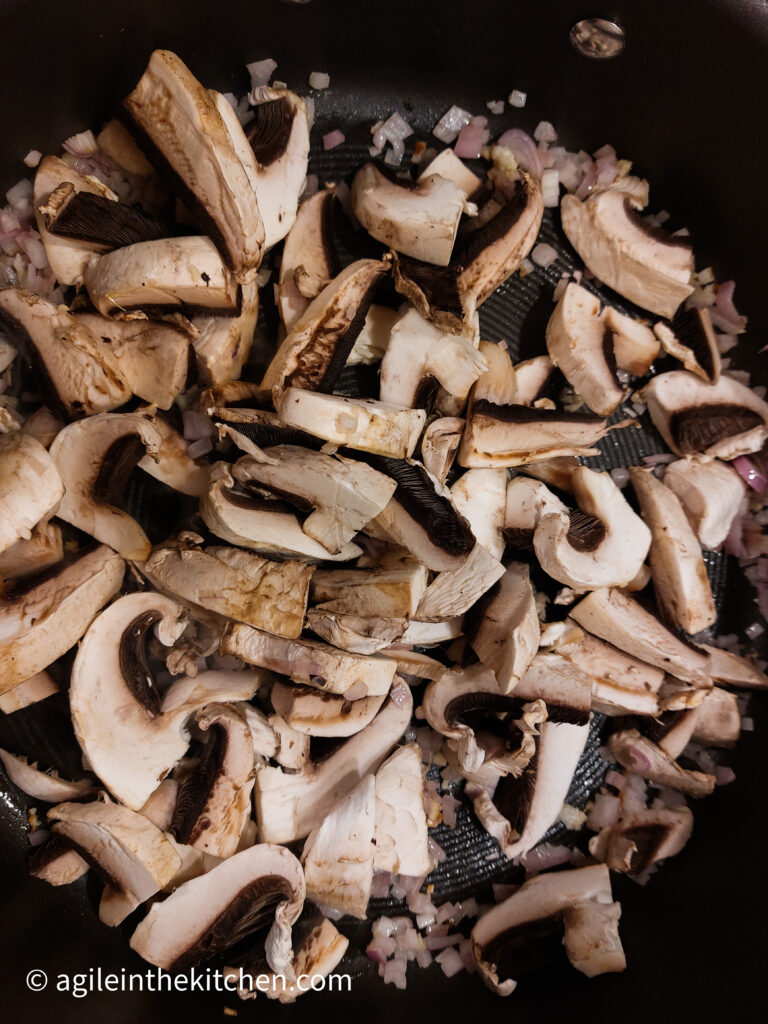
x=686 y=101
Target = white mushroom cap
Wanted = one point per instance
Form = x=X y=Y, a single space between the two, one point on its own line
x=402 y=845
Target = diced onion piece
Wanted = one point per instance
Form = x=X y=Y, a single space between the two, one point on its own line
x=261 y=71
x=450 y=124
x=518 y=99
x=545 y=132
x=543 y=255
x=333 y=139
x=319 y=80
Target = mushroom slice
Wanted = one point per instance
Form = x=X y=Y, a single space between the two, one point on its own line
x=506 y=634
x=30 y=487
x=236 y=584
x=418 y=219
x=533 y=379
x=315 y=349
x=603 y=544
x=309 y=260
x=449 y=166
x=77 y=374
x=207 y=915
x=691 y=339
x=578 y=901
x=720 y=420
x=128 y=852
x=402 y=841
x=726 y=667
x=214 y=801
x=480 y=495
x=345 y=494
x=389 y=592
x=428 y=634
x=153 y=356
x=167 y=275
x=338 y=856
x=56 y=863
x=556 y=472
x=434 y=291
x=635 y=346
x=38 y=687
x=290 y=806
x=412 y=663
x=95 y=458
x=177 y=122
x=621 y=685
x=420 y=357
x=260 y=524
x=360 y=423
x=42 y=785
x=528 y=501
x=259 y=426
x=718 y=719
x=640 y=755
x=358 y=634
x=494 y=251
x=223 y=343
x=97 y=220
x=581 y=345
x=439 y=445
x=680 y=579
x=454 y=591
x=171 y=463
x=711 y=494
x=315 y=713
x=373 y=339
x=642 y=838
x=644 y=264
x=43 y=622
x=309 y=661
x=620 y=620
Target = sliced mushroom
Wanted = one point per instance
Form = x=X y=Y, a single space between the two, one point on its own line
x=97 y=220
x=642 y=838
x=237 y=584
x=528 y=501
x=37 y=688
x=47 y=786
x=726 y=667
x=418 y=219
x=289 y=806
x=711 y=494
x=718 y=721
x=42 y=425
x=453 y=591
x=691 y=339
x=373 y=339
x=56 y=863
x=434 y=292
x=680 y=579
x=533 y=379
x=721 y=420
x=620 y=620
x=259 y=426
x=578 y=901
x=167 y=275
x=95 y=458
x=621 y=685
x=644 y=264
x=635 y=346
x=315 y=350
x=360 y=423
x=223 y=343
x=402 y=840
x=358 y=634
x=556 y=472
x=389 y=591
x=449 y=166
x=603 y=544
x=30 y=487
x=480 y=495
x=42 y=623
x=310 y=662
x=640 y=755
x=178 y=124
x=207 y=915
x=439 y=445
x=171 y=463
x=506 y=635
x=309 y=259
x=77 y=374
x=428 y=634
x=315 y=713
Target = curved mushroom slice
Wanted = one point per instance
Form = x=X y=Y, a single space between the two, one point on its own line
x=527 y=502
x=420 y=357
x=621 y=685
x=533 y=379
x=439 y=445
x=720 y=420
x=315 y=350
x=428 y=634
x=618 y=619
x=556 y=472
x=67 y=257
x=494 y=251
x=373 y=339
x=578 y=901
x=129 y=853
x=310 y=662
x=95 y=457
x=178 y=124
x=42 y=785
x=635 y=346
x=262 y=525
x=223 y=343
x=77 y=374
x=506 y=636
x=42 y=623
x=581 y=345
x=642 y=838
x=345 y=494
x=453 y=591
x=289 y=806
x=718 y=721
x=214 y=801
x=402 y=840
x=338 y=856
x=680 y=580
x=309 y=259
x=726 y=667
x=310 y=711
x=56 y=863
x=261 y=427
x=37 y=688
x=419 y=219
x=30 y=487
x=691 y=339
x=434 y=292
x=602 y=545
x=412 y=663
x=292 y=746
x=644 y=264
x=236 y=584
x=360 y=423
x=153 y=357
x=711 y=494
x=358 y=634
x=640 y=755
x=207 y=915
x=480 y=495
x=171 y=463
x=385 y=591
x=167 y=275
x=98 y=221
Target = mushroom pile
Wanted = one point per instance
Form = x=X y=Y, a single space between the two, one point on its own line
x=373 y=609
